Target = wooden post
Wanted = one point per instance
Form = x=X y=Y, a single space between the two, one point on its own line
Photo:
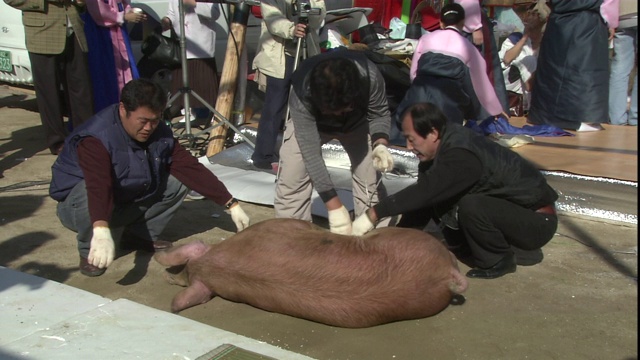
x=224 y=103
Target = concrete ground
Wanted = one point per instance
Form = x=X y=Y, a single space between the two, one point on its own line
x=581 y=302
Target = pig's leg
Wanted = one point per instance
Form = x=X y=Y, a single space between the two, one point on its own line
x=196 y=294
x=180 y=255
x=458 y=283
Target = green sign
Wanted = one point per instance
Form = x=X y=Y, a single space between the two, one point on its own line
x=5 y=61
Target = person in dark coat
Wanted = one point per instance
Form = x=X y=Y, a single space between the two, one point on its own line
x=571 y=86
x=447 y=70
x=490 y=200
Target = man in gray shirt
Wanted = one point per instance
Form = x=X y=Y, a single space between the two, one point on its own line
x=336 y=95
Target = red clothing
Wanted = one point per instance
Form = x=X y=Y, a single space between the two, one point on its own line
x=96 y=167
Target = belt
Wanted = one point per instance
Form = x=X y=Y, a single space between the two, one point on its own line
x=549 y=209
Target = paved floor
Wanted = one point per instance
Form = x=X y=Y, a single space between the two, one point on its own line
x=43 y=319
x=580 y=303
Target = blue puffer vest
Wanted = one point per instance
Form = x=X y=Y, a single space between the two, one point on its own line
x=137 y=168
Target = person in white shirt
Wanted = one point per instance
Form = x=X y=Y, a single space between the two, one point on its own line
x=519 y=58
x=199 y=27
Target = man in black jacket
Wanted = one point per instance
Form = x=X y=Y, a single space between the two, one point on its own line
x=487 y=196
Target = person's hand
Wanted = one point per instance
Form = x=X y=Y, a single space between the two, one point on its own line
x=300 y=30
x=477 y=37
x=135 y=16
x=340 y=221
x=361 y=225
x=504 y=115
x=382 y=159
x=612 y=33
x=239 y=217
x=103 y=250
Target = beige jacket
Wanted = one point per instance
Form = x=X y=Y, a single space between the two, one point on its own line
x=45 y=24
x=278 y=24
x=628 y=8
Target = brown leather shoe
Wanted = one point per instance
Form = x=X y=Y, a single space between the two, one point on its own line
x=132 y=242
x=88 y=269
x=160 y=245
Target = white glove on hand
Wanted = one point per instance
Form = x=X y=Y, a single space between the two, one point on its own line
x=239 y=217
x=382 y=159
x=103 y=250
x=340 y=221
x=362 y=225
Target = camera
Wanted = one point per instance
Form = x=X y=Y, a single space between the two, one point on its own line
x=303 y=10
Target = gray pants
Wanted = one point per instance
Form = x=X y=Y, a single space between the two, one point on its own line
x=145 y=219
x=294 y=187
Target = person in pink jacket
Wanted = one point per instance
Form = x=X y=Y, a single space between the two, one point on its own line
x=449 y=41
x=111 y=60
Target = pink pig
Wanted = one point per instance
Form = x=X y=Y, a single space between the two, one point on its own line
x=294 y=268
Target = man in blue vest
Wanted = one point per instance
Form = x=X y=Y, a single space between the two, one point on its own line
x=123 y=172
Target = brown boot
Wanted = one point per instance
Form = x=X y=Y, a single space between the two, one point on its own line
x=88 y=269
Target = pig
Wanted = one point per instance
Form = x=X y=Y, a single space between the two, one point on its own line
x=293 y=267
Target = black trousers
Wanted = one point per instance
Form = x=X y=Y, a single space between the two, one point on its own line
x=272 y=117
x=490 y=227
x=62 y=81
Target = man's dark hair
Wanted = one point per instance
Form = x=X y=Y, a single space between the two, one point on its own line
x=335 y=84
x=425 y=117
x=452 y=14
x=143 y=92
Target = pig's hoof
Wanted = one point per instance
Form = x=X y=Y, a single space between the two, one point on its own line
x=457 y=299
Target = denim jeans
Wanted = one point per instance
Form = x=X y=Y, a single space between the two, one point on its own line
x=625 y=47
x=272 y=118
x=145 y=219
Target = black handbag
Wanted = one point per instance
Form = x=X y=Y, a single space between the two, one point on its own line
x=162 y=49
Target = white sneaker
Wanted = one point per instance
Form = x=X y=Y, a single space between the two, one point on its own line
x=192 y=117
x=584 y=127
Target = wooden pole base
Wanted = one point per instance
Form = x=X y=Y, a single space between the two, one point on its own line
x=228 y=79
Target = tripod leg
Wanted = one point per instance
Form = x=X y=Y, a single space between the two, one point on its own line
x=222 y=120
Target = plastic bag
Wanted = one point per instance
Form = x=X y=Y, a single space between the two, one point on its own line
x=334 y=39
x=398 y=29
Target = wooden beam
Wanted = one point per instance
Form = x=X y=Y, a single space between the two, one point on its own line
x=228 y=79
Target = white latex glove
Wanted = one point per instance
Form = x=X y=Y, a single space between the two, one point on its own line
x=382 y=159
x=361 y=225
x=103 y=250
x=239 y=217
x=340 y=221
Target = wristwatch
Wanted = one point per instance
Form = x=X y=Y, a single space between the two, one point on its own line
x=231 y=203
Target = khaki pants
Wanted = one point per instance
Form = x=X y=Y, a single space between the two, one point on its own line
x=294 y=187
